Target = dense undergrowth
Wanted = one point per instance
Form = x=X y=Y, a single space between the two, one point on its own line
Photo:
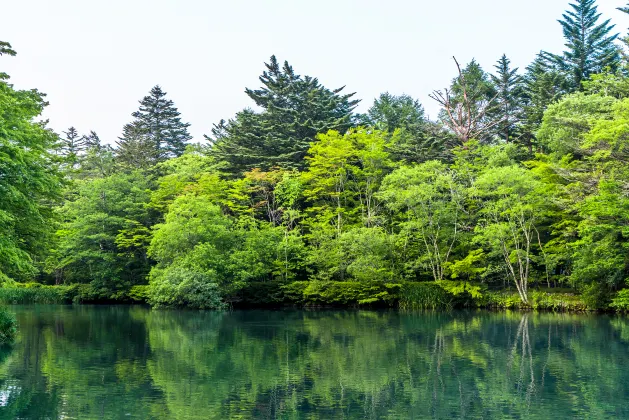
x=409 y=296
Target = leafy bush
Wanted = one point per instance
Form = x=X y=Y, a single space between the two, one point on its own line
x=595 y=296
x=621 y=301
x=8 y=326
x=139 y=293
x=179 y=287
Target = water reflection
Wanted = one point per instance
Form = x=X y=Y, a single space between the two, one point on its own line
x=130 y=362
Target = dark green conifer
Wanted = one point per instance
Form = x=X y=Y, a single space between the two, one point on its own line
x=159 y=121
x=294 y=110
x=136 y=149
x=590 y=46
x=509 y=100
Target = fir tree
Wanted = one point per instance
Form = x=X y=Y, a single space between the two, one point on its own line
x=159 y=121
x=542 y=85
x=72 y=147
x=509 y=100
x=294 y=110
x=136 y=149
x=590 y=44
x=92 y=141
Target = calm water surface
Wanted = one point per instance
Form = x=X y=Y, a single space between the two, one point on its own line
x=131 y=362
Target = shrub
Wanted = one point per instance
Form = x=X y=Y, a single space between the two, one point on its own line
x=180 y=287
x=621 y=301
x=8 y=326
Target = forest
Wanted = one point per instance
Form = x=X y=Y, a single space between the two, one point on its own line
x=516 y=195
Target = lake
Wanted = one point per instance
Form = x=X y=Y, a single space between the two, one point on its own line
x=117 y=362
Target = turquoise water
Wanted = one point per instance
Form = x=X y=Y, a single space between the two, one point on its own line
x=115 y=362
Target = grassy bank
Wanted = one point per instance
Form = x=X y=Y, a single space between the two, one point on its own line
x=405 y=296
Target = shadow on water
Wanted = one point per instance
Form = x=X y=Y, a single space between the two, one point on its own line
x=131 y=362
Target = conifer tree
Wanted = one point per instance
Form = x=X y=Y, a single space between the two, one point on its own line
x=159 y=121
x=136 y=149
x=590 y=47
x=542 y=85
x=509 y=100
x=294 y=110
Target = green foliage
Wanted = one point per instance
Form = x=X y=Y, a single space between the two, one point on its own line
x=31 y=293
x=620 y=302
x=294 y=110
x=105 y=234
x=418 y=296
x=8 y=327
x=179 y=287
x=157 y=132
x=304 y=202
x=29 y=182
x=341 y=293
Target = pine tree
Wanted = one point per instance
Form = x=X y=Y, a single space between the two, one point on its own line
x=590 y=45
x=294 y=110
x=509 y=100
x=542 y=85
x=92 y=141
x=136 y=149
x=72 y=147
x=159 y=121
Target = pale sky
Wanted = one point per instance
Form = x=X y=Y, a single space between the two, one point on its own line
x=95 y=59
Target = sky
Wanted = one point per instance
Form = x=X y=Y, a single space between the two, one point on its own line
x=95 y=59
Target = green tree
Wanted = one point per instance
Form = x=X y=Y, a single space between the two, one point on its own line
x=294 y=110
x=73 y=145
x=106 y=232
x=513 y=205
x=430 y=203
x=418 y=139
x=30 y=183
x=590 y=47
x=135 y=149
x=159 y=123
x=509 y=100
x=542 y=85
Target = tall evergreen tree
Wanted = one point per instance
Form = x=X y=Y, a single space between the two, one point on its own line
x=160 y=122
x=294 y=110
x=72 y=146
x=509 y=100
x=542 y=85
x=136 y=149
x=590 y=47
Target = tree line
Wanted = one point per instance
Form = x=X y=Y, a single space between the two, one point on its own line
x=519 y=184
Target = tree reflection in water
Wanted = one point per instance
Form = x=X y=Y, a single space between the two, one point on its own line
x=130 y=362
